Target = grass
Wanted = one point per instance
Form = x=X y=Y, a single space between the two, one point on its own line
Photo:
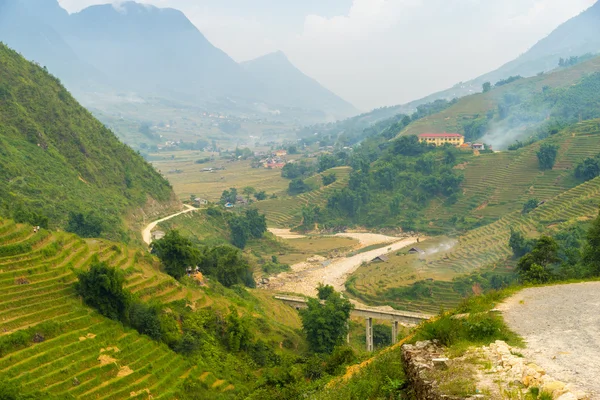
x=326 y=246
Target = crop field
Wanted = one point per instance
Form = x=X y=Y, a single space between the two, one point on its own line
x=286 y=211
x=210 y=185
x=301 y=249
x=77 y=351
x=479 y=250
x=500 y=183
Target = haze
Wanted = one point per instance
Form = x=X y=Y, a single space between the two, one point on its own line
x=377 y=52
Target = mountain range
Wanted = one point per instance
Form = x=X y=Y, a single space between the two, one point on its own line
x=156 y=52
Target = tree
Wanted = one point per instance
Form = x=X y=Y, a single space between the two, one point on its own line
x=487 y=86
x=176 y=253
x=329 y=179
x=536 y=266
x=588 y=169
x=519 y=244
x=228 y=266
x=325 y=323
x=229 y=196
x=310 y=215
x=251 y=224
x=248 y=191
x=530 y=205
x=86 y=225
x=547 y=156
x=297 y=186
x=262 y=195
x=293 y=149
x=101 y=287
x=591 y=250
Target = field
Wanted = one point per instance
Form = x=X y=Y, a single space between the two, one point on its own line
x=497 y=184
x=77 y=351
x=469 y=107
x=210 y=185
x=286 y=211
x=301 y=249
x=481 y=250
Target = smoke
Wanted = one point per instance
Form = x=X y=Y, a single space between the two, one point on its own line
x=442 y=247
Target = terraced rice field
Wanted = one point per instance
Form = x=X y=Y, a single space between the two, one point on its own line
x=498 y=184
x=484 y=248
x=286 y=212
x=89 y=356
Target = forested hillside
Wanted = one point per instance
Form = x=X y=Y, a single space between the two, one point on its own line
x=59 y=166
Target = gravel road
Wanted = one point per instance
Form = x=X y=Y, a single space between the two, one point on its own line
x=561 y=326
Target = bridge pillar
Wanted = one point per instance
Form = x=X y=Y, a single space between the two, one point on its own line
x=394 y=332
x=369 y=334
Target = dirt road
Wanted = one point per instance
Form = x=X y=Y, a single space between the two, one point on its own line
x=147 y=231
x=304 y=278
x=561 y=326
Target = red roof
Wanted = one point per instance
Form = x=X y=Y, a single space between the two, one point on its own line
x=434 y=135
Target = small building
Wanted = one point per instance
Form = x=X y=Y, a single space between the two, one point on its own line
x=228 y=205
x=478 y=146
x=416 y=250
x=440 y=139
x=157 y=235
x=381 y=258
x=280 y=153
x=200 y=202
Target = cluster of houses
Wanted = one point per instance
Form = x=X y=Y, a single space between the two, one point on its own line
x=455 y=139
x=275 y=159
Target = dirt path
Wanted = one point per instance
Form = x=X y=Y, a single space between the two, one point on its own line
x=561 y=326
x=285 y=233
x=147 y=231
x=304 y=277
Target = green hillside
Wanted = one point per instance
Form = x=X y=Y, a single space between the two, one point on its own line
x=51 y=342
x=286 y=211
x=56 y=158
x=462 y=114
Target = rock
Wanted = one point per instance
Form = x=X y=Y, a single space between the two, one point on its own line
x=440 y=363
x=557 y=388
x=568 y=396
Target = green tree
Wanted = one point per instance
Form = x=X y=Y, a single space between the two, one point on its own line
x=262 y=195
x=228 y=266
x=297 y=186
x=325 y=323
x=487 y=86
x=310 y=216
x=176 y=253
x=251 y=224
x=536 y=266
x=519 y=244
x=293 y=149
x=591 y=250
x=229 y=196
x=101 y=287
x=588 y=169
x=547 y=156
x=248 y=191
x=86 y=225
x=530 y=205
x=329 y=179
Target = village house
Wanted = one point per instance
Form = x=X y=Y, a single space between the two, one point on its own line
x=478 y=146
x=280 y=153
x=440 y=139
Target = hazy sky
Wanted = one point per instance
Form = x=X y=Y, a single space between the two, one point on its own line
x=377 y=52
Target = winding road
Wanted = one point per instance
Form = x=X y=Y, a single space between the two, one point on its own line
x=147 y=231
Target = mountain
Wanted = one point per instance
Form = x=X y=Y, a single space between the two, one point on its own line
x=105 y=51
x=286 y=84
x=155 y=51
x=56 y=158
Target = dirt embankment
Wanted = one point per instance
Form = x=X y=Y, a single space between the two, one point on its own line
x=561 y=326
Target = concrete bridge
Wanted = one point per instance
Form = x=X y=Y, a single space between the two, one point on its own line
x=405 y=318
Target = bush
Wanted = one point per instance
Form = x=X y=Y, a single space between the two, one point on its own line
x=547 y=156
x=102 y=288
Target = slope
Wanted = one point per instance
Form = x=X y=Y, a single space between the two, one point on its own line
x=52 y=343
x=482 y=108
x=287 y=85
x=55 y=158
x=458 y=266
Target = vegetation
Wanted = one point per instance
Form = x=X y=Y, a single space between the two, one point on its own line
x=547 y=155
x=248 y=225
x=326 y=324
x=57 y=159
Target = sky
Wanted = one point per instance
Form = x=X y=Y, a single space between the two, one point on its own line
x=377 y=53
